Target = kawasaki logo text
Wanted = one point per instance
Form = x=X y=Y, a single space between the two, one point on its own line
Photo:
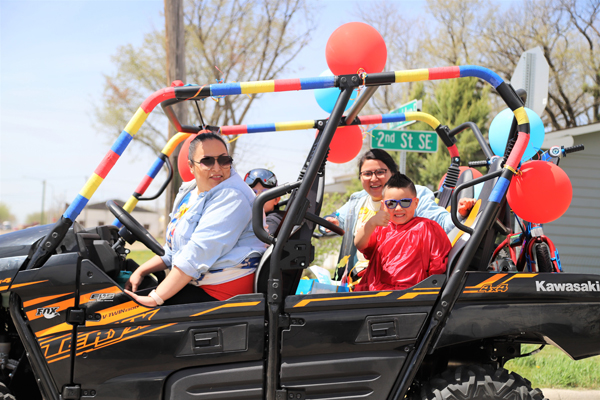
x=542 y=286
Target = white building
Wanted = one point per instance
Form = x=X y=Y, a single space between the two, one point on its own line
x=98 y=214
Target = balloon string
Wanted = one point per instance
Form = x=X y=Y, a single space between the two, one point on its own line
x=363 y=74
x=234 y=139
x=222 y=80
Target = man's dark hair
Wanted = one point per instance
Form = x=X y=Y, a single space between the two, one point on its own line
x=381 y=155
x=400 y=181
x=201 y=137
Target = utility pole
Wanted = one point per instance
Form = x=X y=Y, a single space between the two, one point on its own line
x=42 y=220
x=175 y=71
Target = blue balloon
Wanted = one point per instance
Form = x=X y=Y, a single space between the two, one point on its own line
x=326 y=98
x=500 y=129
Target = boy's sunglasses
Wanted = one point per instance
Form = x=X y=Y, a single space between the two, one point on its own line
x=208 y=162
x=392 y=204
x=262 y=176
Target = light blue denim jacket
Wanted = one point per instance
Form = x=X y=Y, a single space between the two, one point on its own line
x=215 y=235
x=347 y=214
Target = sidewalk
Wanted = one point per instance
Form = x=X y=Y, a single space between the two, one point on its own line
x=565 y=394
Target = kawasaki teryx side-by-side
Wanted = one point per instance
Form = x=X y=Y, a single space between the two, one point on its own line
x=69 y=331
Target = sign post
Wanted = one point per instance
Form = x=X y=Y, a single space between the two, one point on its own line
x=411 y=106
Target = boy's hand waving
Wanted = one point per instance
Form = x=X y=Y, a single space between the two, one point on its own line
x=381 y=218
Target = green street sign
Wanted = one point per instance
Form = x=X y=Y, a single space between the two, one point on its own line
x=404 y=140
x=411 y=106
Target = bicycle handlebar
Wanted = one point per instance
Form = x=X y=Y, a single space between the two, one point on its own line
x=482 y=163
x=573 y=149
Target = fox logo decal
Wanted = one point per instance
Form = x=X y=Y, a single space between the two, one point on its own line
x=48 y=312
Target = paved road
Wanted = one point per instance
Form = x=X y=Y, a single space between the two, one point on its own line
x=564 y=394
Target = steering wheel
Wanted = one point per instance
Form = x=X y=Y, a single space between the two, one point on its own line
x=133 y=230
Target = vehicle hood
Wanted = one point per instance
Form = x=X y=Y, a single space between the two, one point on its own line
x=18 y=243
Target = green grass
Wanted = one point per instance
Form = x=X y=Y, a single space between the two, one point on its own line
x=551 y=368
x=140 y=256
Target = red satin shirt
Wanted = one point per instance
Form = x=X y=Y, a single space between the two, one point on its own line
x=400 y=256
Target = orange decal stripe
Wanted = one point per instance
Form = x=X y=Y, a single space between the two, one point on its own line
x=488 y=281
x=58 y=359
x=60 y=306
x=302 y=303
x=119 y=312
x=18 y=285
x=520 y=276
x=43 y=299
x=3 y=288
x=248 y=304
x=121 y=340
x=414 y=294
x=55 y=329
x=50 y=340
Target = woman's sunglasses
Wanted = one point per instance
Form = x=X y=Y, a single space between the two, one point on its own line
x=392 y=204
x=262 y=176
x=208 y=162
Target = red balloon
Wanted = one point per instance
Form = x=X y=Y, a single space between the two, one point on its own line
x=541 y=193
x=476 y=174
x=182 y=164
x=182 y=159
x=353 y=46
x=346 y=144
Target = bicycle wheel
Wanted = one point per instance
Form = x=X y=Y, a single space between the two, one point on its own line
x=543 y=258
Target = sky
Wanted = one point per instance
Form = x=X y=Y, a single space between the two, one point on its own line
x=53 y=59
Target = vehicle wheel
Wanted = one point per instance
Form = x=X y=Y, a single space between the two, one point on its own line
x=543 y=259
x=476 y=382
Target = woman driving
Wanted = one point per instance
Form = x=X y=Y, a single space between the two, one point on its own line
x=210 y=249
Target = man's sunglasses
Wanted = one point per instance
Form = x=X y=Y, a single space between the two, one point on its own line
x=392 y=204
x=262 y=176
x=208 y=162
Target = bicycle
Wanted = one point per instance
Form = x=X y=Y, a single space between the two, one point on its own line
x=530 y=248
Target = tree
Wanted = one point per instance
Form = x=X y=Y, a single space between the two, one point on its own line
x=5 y=214
x=226 y=40
x=568 y=33
x=453 y=102
x=403 y=51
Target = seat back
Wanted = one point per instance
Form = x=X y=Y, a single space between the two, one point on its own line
x=459 y=238
x=298 y=250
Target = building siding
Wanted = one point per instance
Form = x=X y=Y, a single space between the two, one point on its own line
x=577 y=233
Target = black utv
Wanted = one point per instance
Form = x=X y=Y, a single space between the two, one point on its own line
x=71 y=332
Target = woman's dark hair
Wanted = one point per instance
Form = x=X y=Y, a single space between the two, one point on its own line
x=201 y=137
x=400 y=181
x=381 y=155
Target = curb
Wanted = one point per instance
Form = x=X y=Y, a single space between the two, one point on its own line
x=565 y=394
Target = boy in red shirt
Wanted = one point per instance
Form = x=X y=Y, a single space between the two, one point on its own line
x=402 y=249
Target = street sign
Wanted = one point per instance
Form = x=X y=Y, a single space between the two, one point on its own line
x=532 y=74
x=405 y=140
x=411 y=106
